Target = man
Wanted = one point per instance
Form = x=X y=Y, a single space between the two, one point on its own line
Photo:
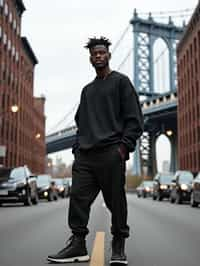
x=109 y=121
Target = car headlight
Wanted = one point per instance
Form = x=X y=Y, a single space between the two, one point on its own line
x=184 y=187
x=163 y=187
x=45 y=193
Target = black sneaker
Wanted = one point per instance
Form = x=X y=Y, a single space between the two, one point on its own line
x=118 y=255
x=75 y=251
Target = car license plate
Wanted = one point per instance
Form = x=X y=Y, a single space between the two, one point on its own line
x=3 y=192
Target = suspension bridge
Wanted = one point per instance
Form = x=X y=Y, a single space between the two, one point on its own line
x=154 y=75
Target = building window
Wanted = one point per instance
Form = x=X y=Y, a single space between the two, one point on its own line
x=9 y=45
x=10 y=17
x=13 y=50
x=17 y=56
x=6 y=9
x=1 y=2
x=4 y=38
x=14 y=24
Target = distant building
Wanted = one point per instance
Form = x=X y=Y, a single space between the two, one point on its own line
x=188 y=56
x=22 y=133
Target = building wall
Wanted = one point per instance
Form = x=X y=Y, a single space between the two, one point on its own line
x=17 y=64
x=188 y=57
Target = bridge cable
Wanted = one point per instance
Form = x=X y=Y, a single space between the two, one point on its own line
x=167 y=12
x=63 y=119
x=120 y=39
x=125 y=59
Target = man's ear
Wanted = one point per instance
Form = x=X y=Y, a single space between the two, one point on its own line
x=110 y=55
x=90 y=58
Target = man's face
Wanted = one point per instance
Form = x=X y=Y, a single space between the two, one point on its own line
x=99 y=56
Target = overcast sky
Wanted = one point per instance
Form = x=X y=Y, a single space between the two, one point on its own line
x=58 y=30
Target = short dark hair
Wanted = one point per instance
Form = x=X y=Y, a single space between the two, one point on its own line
x=98 y=41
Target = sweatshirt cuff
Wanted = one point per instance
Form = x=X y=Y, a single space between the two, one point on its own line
x=124 y=150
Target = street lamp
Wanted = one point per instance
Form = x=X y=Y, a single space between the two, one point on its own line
x=169 y=133
x=38 y=136
x=14 y=108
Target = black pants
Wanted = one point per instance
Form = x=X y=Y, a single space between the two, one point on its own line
x=94 y=171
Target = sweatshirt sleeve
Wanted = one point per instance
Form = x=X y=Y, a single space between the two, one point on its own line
x=131 y=113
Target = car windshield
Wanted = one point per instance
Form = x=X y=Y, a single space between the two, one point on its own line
x=58 y=182
x=14 y=174
x=148 y=184
x=68 y=180
x=165 y=179
x=186 y=177
x=42 y=180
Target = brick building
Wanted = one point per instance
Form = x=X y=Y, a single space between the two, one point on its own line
x=22 y=133
x=188 y=57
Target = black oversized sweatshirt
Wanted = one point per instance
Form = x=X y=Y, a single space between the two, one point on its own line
x=109 y=112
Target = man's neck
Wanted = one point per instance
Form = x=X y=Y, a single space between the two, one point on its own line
x=103 y=73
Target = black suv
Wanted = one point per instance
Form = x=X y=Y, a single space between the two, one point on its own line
x=46 y=188
x=195 y=194
x=181 y=187
x=18 y=185
x=161 y=186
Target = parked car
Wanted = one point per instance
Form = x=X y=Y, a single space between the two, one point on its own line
x=68 y=182
x=195 y=193
x=161 y=186
x=18 y=185
x=145 y=189
x=62 y=188
x=46 y=189
x=181 y=187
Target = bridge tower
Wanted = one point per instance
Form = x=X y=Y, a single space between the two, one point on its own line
x=145 y=33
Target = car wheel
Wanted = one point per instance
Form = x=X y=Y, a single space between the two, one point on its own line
x=178 y=198
x=35 y=200
x=50 y=198
x=27 y=201
x=154 y=197
x=171 y=199
x=159 y=197
x=193 y=203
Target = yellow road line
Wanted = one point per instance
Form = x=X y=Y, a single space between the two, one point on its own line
x=97 y=258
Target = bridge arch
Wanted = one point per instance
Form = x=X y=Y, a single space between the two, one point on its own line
x=161 y=66
x=163 y=153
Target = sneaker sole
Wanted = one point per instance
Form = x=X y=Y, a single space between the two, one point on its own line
x=74 y=259
x=118 y=262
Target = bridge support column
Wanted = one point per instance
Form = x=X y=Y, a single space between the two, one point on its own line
x=173 y=157
x=152 y=163
x=137 y=160
x=145 y=156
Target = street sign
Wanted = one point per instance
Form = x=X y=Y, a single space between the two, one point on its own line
x=2 y=151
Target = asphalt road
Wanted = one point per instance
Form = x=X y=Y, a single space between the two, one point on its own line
x=162 y=234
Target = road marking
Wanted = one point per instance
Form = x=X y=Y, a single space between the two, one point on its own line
x=97 y=258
